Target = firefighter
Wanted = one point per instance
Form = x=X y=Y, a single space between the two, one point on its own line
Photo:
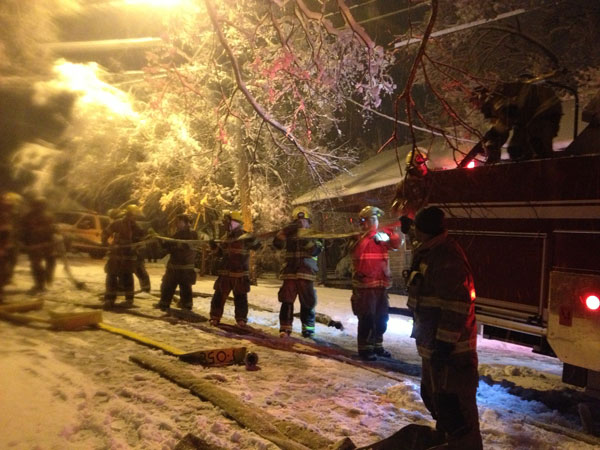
x=37 y=230
x=441 y=296
x=233 y=253
x=7 y=242
x=140 y=268
x=370 y=281
x=180 y=268
x=532 y=111
x=122 y=255
x=11 y=204
x=412 y=192
x=298 y=274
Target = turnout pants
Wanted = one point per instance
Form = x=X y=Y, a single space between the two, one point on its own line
x=223 y=286
x=142 y=275
x=305 y=291
x=114 y=280
x=448 y=389
x=42 y=268
x=371 y=306
x=171 y=279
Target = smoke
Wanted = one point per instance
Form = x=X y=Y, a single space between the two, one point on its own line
x=52 y=120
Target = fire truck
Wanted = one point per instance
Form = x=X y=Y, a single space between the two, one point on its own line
x=531 y=231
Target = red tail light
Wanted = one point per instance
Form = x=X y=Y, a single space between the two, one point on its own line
x=592 y=302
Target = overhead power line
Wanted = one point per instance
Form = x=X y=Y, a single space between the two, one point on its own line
x=465 y=26
x=406 y=124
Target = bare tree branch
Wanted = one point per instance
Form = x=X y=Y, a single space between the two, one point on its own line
x=354 y=25
x=240 y=82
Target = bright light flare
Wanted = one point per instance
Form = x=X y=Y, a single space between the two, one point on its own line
x=400 y=325
x=156 y=3
x=471 y=165
x=83 y=78
x=592 y=302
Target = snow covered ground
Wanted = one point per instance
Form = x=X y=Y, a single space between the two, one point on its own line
x=79 y=389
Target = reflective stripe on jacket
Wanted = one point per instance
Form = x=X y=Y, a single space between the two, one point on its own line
x=183 y=257
x=370 y=261
x=235 y=254
x=442 y=297
x=300 y=256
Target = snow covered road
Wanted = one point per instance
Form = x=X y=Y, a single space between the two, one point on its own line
x=62 y=390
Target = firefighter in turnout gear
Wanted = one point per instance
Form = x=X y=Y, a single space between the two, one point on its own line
x=8 y=244
x=233 y=254
x=532 y=111
x=412 y=192
x=140 y=266
x=441 y=296
x=180 y=268
x=299 y=273
x=37 y=235
x=370 y=282
x=12 y=204
x=122 y=256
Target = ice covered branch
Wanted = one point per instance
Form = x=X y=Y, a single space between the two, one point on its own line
x=242 y=85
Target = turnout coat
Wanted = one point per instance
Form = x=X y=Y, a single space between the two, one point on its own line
x=442 y=298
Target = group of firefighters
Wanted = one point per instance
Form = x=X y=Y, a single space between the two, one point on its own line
x=441 y=291
x=440 y=286
x=441 y=294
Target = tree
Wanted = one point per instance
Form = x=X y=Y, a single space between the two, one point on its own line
x=266 y=83
x=486 y=43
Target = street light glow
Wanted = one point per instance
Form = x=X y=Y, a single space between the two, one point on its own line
x=156 y=3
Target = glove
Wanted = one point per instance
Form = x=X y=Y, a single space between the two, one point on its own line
x=381 y=237
x=405 y=223
x=442 y=350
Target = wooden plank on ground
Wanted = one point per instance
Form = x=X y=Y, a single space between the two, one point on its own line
x=286 y=435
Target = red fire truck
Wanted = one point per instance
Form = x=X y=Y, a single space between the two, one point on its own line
x=531 y=231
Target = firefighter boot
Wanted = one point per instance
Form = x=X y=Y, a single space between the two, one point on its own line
x=380 y=351
x=367 y=355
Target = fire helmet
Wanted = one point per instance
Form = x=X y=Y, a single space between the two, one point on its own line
x=133 y=211
x=11 y=199
x=419 y=157
x=114 y=213
x=370 y=211
x=301 y=212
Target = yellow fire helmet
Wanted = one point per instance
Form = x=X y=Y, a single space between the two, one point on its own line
x=301 y=212
x=370 y=211
x=233 y=215
x=113 y=213
x=133 y=210
x=11 y=199
x=419 y=158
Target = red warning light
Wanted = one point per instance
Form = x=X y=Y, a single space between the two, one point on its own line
x=471 y=165
x=592 y=302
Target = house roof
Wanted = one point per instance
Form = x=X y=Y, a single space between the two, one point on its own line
x=388 y=167
x=385 y=169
